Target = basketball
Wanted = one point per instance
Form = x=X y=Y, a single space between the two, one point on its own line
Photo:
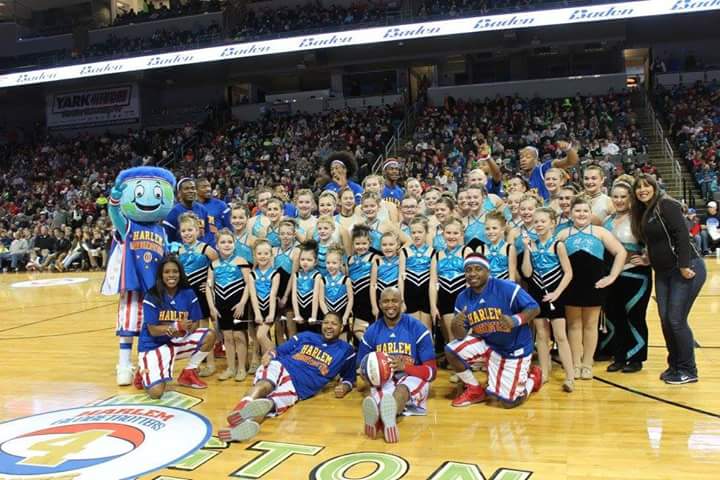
x=375 y=368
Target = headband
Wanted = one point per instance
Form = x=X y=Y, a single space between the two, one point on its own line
x=183 y=180
x=391 y=163
x=476 y=260
x=338 y=162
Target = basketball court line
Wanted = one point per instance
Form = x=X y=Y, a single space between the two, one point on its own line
x=69 y=314
x=48 y=305
x=81 y=332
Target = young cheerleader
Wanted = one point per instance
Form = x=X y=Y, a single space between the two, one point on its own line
x=600 y=204
x=307 y=291
x=286 y=260
x=195 y=258
x=347 y=216
x=513 y=205
x=408 y=211
x=474 y=236
x=274 y=214
x=259 y=222
x=554 y=180
x=337 y=287
x=430 y=198
x=444 y=210
x=360 y=265
x=388 y=211
x=327 y=205
x=463 y=204
x=447 y=276
x=227 y=295
x=517 y=184
x=546 y=265
x=526 y=210
x=325 y=238
x=385 y=270
x=586 y=245
x=264 y=285
x=497 y=250
x=243 y=240
x=415 y=262
x=305 y=203
x=170 y=331
x=565 y=197
x=370 y=205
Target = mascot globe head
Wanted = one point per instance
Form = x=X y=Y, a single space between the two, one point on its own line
x=148 y=194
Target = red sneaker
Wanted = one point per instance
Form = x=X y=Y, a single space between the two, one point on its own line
x=536 y=375
x=471 y=394
x=249 y=409
x=219 y=350
x=137 y=380
x=235 y=417
x=189 y=378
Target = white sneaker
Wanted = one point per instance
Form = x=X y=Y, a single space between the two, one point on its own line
x=388 y=415
x=124 y=375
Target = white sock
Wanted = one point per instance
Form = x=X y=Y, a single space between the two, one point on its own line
x=196 y=358
x=468 y=378
x=125 y=352
x=529 y=385
x=248 y=398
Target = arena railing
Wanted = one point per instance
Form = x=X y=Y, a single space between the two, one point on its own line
x=667 y=150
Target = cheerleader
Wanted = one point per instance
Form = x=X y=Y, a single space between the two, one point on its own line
x=463 y=204
x=413 y=188
x=600 y=204
x=195 y=258
x=360 y=266
x=513 y=205
x=370 y=204
x=554 y=180
x=430 y=198
x=415 y=262
x=274 y=214
x=305 y=203
x=408 y=211
x=503 y=265
x=260 y=222
x=307 y=291
x=337 y=293
x=586 y=245
x=327 y=205
x=526 y=210
x=243 y=240
x=388 y=211
x=227 y=294
x=518 y=184
x=285 y=262
x=547 y=266
x=385 y=270
x=565 y=197
x=447 y=276
x=444 y=210
x=325 y=237
x=627 y=300
x=475 y=222
x=264 y=285
x=347 y=216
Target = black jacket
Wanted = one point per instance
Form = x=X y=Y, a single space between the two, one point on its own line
x=667 y=237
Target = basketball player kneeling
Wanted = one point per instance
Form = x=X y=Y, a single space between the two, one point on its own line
x=297 y=370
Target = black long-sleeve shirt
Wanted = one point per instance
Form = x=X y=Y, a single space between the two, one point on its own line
x=668 y=247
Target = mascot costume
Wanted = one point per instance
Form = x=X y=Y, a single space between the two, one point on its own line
x=139 y=201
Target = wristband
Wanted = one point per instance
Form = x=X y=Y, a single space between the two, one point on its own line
x=272 y=354
x=517 y=320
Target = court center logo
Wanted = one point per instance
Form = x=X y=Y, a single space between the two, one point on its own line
x=115 y=442
x=49 y=282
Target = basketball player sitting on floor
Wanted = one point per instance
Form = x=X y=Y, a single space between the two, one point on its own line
x=297 y=370
x=170 y=331
x=409 y=344
x=496 y=313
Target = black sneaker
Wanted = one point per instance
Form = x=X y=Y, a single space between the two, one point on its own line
x=668 y=371
x=615 y=366
x=679 y=378
x=632 y=367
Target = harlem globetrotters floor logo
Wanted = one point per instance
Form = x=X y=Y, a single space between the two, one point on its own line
x=113 y=442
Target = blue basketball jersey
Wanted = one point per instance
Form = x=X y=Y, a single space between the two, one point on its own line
x=312 y=362
x=172 y=227
x=140 y=254
x=484 y=312
x=409 y=339
x=218 y=218
x=168 y=310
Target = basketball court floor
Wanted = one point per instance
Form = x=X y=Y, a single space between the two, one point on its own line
x=59 y=352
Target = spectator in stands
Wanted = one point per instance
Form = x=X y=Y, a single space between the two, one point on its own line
x=17 y=252
x=710 y=233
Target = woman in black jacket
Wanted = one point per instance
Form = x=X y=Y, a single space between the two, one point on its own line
x=680 y=273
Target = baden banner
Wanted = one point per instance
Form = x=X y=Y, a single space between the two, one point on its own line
x=88 y=108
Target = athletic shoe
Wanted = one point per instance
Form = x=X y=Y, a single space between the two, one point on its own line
x=668 y=371
x=249 y=409
x=124 y=375
x=189 y=378
x=240 y=375
x=536 y=374
x=206 y=370
x=219 y=350
x=568 y=385
x=388 y=415
x=371 y=416
x=679 y=378
x=586 y=373
x=615 y=367
x=239 y=433
x=137 y=381
x=632 y=367
x=471 y=394
x=253 y=368
x=227 y=374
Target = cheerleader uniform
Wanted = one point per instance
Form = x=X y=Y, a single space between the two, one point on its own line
x=359 y=267
x=321 y=256
x=228 y=291
x=417 y=278
x=375 y=237
x=497 y=256
x=336 y=295
x=546 y=276
x=388 y=274
x=263 y=286
x=626 y=306
x=475 y=233
x=600 y=205
x=520 y=245
x=242 y=249
x=305 y=288
x=451 y=278
x=586 y=253
x=283 y=264
x=405 y=228
x=272 y=236
x=196 y=264
x=438 y=240
x=562 y=224
x=257 y=226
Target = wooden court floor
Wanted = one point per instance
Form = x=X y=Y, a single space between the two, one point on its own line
x=59 y=351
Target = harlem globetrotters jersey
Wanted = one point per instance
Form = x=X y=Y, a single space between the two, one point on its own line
x=312 y=362
x=484 y=312
x=168 y=310
x=132 y=265
x=409 y=340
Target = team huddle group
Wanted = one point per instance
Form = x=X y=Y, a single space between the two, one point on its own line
x=480 y=280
